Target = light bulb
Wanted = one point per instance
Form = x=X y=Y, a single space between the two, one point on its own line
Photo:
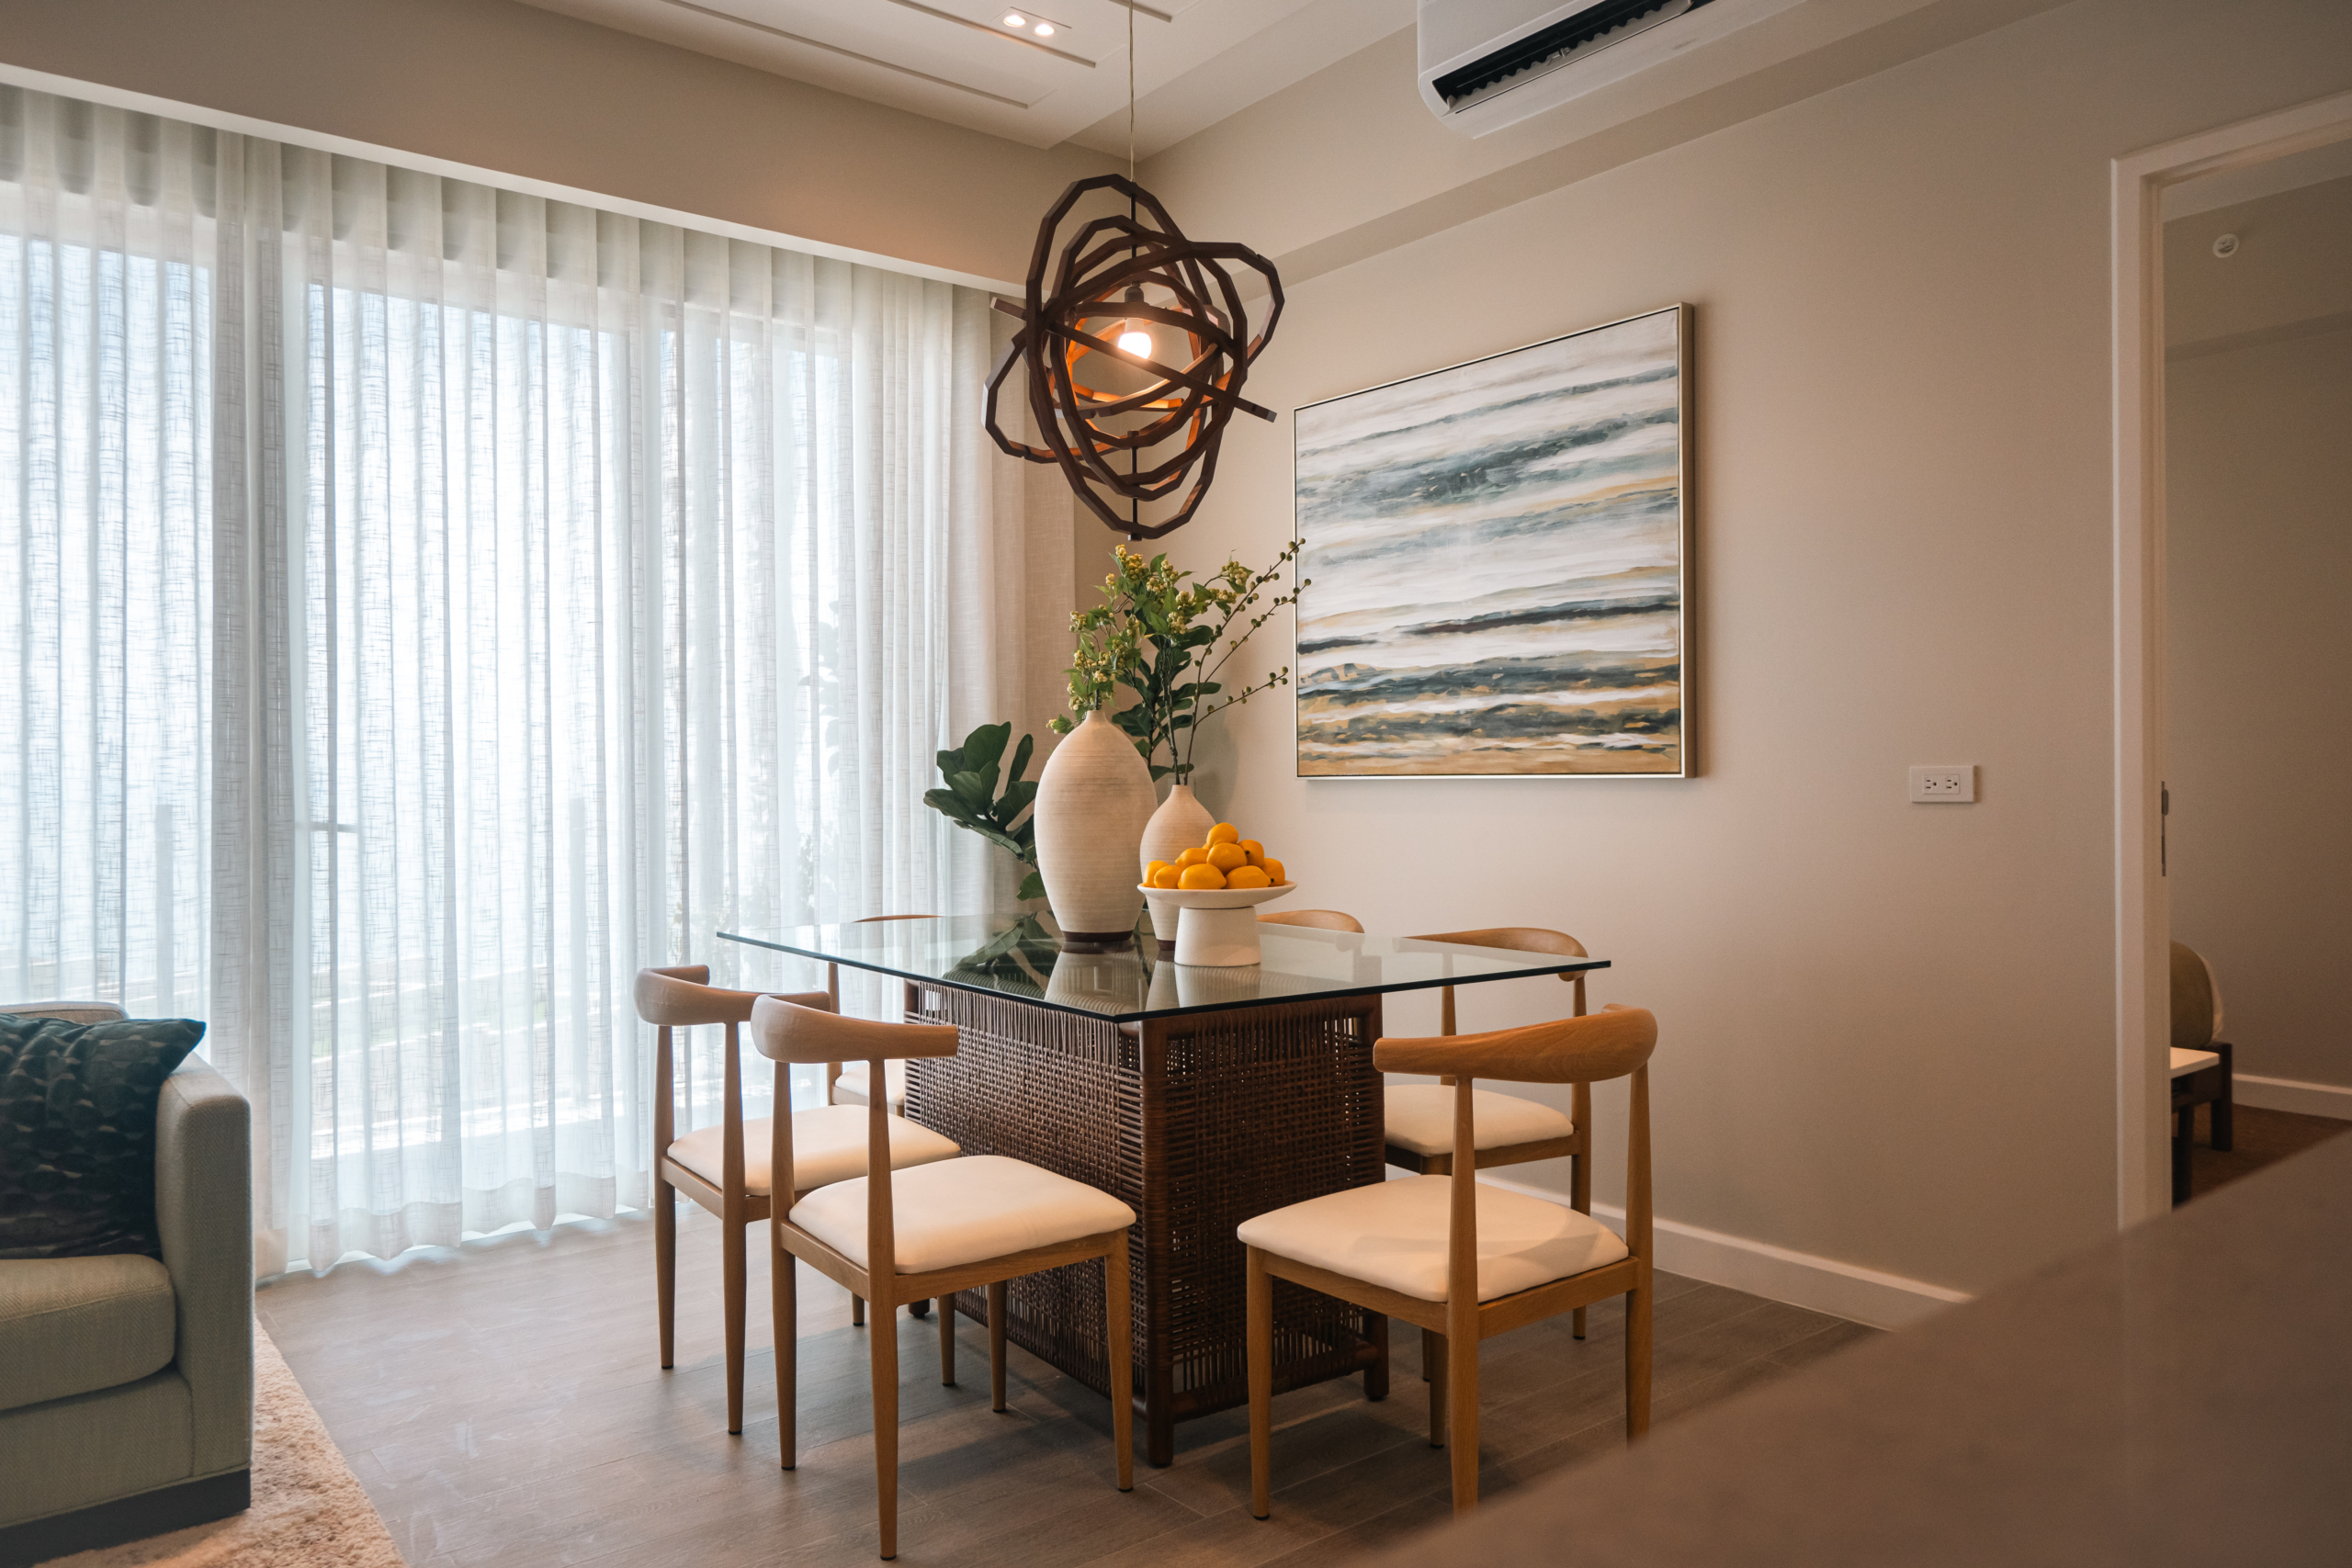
x=1044 y=29
x=1015 y=20
x=1136 y=341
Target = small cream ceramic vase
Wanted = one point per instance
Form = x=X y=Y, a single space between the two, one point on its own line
x=1092 y=802
x=1180 y=823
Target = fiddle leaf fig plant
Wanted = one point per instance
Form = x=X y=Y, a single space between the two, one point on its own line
x=973 y=802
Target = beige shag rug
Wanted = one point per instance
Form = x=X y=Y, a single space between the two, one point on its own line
x=309 y=1510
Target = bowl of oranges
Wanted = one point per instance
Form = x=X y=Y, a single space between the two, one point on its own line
x=1212 y=888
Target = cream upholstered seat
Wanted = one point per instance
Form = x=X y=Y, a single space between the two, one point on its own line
x=850 y=1088
x=949 y=1214
x=2193 y=1061
x=927 y=1231
x=828 y=1145
x=1394 y=1235
x=1420 y=1118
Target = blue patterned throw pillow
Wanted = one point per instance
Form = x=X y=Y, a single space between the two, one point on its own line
x=77 y=1132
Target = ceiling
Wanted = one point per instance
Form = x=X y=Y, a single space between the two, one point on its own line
x=1195 y=60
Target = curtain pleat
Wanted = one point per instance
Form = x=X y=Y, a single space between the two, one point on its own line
x=432 y=603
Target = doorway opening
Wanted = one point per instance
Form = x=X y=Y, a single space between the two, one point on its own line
x=2220 y=171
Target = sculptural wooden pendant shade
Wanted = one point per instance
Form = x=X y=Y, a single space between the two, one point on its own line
x=1121 y=445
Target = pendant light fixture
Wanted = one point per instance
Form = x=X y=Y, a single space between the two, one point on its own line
x=1135 y=343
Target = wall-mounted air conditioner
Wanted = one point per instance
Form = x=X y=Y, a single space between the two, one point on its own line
x=1489 y=64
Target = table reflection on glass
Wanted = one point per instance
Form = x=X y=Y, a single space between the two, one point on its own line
x=1199 y=1097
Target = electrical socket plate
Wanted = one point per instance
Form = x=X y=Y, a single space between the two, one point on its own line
x=1956 y=782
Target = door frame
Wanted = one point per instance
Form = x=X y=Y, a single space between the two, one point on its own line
x=2142 y=901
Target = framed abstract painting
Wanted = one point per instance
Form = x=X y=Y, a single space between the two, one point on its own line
x=1496 y=564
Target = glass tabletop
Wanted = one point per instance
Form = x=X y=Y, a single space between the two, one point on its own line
x=1020 y=957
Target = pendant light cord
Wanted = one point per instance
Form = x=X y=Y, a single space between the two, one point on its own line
x=1131 y=93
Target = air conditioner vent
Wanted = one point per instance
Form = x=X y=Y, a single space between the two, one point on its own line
x=1485 y=64
x=1592 y=28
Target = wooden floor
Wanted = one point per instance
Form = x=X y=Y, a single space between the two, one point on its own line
x=501 y=1403
x=2263 y=1138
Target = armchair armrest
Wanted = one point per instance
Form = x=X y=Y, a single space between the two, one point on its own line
x=204 y=1212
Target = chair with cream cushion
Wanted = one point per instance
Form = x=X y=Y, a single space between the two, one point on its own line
x=2201 y=1064
x=725 y=1166
x=1462 y=1260
x=929 y=1231
x=1511 y=1129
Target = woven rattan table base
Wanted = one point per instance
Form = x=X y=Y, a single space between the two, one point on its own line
x=1197 y=1123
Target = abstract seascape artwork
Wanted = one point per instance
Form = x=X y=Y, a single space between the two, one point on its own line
x=1495 y=565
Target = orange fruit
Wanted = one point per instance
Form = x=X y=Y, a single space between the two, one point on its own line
x=1192 y=857
x=1200 y=877
x=1226 y=857
x=1154 y=869
x=1255 y=850
x=1247 y=876
x=1274 y=874
x=1225 y=833
x=1165 y=876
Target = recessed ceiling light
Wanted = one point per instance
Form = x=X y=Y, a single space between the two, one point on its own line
x=1015 y=20
x=1044 y=29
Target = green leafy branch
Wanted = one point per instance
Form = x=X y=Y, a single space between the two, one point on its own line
x=972 y=801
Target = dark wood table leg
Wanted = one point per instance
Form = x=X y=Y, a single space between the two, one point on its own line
x=1376 y=1376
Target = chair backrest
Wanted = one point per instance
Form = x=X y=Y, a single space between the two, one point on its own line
x=1614 y=1042
x=683 y=998
x=785 y=1032
x=833 y=991
x=1315 y=919
x=2196 y=1000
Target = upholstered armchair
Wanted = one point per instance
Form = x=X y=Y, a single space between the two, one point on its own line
x=126 y=1382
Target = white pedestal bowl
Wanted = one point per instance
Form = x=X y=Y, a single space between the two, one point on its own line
x=1216 y=927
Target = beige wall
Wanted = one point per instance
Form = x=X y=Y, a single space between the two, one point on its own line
x=525 y=90
x=1887 y=1029
x=2259 y=497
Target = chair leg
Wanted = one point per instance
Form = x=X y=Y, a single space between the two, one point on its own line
x=918 y=1309
x=1119 y=1340
x=857 y=1312
x=665 y=1267
x=1580 y=1200
x=883 y=1347
x=947 y=1341
x=1462 y=1416
x=1433 y=1367
x=2184 y=1133
x=737 y=1272
x=1637 y=1360
x=2225 y=1109
x=784 y=1297
x=1376 y=1376
x=996 y=1344
x=1259 y=1322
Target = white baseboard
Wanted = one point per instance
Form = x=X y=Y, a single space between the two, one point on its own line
x=1800 y=1279
x=2287 y=1094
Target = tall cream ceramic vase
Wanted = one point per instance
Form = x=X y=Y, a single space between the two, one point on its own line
x=1092 y=802
x=1180 y=823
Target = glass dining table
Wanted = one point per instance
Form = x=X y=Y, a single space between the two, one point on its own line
x=1199 y=1097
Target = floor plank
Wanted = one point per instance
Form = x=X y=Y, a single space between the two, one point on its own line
x=501 y=1403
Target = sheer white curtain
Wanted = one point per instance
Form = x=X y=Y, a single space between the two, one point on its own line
x=436 y=602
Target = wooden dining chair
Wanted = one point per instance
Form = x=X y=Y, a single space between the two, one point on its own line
x=892 y=1235
x=845 y=1082
x=726 y=1167
x=1463 y=1259
x=2200 y=1064
x=1510 y=1129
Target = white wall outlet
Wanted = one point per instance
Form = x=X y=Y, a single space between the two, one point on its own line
x=1954 y=782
